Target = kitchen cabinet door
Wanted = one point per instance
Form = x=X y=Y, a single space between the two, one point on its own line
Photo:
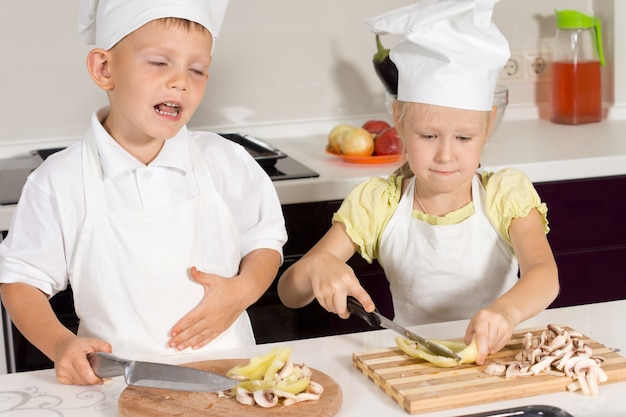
x=272 y=322
x=587 y=219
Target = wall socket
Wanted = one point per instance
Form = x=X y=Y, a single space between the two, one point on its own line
x=526 y=65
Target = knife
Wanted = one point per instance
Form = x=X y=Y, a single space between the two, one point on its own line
x=375 y=319
x=158 y=375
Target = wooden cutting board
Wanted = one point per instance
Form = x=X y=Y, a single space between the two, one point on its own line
x=421 y=387
x=152 y=402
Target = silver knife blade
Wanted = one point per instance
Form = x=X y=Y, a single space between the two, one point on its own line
x=433 y=347
x=376 y=319
x=158 y=375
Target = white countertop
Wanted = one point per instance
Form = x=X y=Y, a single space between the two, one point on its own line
x=30 y=393
x=544 y=151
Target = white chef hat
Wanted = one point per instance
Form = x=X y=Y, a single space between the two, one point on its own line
x=450 y=52
x=103 y=23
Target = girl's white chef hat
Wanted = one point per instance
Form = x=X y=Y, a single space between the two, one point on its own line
x=449 y=54
x=103 y=23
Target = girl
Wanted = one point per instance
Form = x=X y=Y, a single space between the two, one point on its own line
x=449 y=238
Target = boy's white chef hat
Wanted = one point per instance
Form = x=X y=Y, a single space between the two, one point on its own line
x=450 y=52
x=103 y=23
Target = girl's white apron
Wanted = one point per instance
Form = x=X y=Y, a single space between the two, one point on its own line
x=443 y=273
x=131 y=280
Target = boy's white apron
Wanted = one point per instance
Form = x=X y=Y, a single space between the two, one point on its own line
x=131 y=279
x=443 y=273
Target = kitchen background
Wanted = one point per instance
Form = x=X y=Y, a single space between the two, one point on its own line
x=280 y=66
x=286 y=69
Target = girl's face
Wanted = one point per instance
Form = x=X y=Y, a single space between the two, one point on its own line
x=159 y=73
x=443 y=146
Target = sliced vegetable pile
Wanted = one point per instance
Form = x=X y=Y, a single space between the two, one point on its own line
x=273 y=379
x=559 y=352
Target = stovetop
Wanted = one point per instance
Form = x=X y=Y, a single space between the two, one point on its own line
x=289 y=169
x=277 y=164
x=283 y=167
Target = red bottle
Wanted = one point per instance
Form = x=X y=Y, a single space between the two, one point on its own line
x=576 y=80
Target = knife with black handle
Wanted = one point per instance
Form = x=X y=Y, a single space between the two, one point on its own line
x=375 y=319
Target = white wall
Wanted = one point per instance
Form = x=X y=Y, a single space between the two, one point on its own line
x=276 y=61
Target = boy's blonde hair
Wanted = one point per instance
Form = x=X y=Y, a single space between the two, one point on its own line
x=182 y=23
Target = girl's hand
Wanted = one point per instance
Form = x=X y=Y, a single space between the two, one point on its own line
x=71 y=364
x=492 y=329
x=216 y=312
x=332 y=280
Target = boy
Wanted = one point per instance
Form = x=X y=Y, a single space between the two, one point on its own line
x=143 y=217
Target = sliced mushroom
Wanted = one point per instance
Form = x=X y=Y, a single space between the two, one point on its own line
x=306 y=371
x=560 y=364
x=542 y=365
x=515 y=370
x=589 y=375
x=265 y=398
x=244 y=396
x=282 y=394
x=285 y=371
x=556 y=329
x=307 y=396
x=536 y=353
x=569 y=365
x=315 y=388
x=496 y=369
x=557 y=343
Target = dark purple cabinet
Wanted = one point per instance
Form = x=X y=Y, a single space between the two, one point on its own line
x=588 y=236
x=306 y=224
x=587 y=219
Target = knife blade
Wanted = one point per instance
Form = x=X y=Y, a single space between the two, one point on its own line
x=375 y=319
x=158 y=375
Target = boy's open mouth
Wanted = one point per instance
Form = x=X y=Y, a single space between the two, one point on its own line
x=167 y=109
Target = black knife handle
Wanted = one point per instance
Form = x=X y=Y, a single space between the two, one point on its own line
x=354 y=307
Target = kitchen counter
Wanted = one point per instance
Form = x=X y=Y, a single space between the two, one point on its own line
x=31 y=393
x=544 y=151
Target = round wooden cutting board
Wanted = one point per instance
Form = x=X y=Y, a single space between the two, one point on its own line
x=152 y=402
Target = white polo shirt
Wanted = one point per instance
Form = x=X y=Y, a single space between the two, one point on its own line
x=49 y=216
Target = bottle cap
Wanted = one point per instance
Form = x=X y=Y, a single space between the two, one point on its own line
x=573 y=19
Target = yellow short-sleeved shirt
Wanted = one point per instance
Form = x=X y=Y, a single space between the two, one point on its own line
x=366 y=211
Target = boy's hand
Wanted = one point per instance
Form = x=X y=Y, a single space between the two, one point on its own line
x=492 y=329
x=71 y=364
x=218 y=309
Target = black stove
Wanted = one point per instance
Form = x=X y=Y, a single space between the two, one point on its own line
x=278 y=165
x=289 y=169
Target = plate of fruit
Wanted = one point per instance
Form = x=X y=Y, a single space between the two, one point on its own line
x=375 y=142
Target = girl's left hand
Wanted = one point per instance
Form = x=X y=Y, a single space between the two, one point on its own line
x=492 y=329
x=216 y=312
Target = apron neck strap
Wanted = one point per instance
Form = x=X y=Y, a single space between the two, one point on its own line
x=92 y=174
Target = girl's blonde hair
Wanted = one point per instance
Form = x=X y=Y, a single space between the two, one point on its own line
x=400 y=109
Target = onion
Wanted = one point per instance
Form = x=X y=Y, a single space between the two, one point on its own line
x=357 y=142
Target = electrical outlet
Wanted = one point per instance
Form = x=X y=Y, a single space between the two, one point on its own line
x=536 y=63
x=513 y=69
